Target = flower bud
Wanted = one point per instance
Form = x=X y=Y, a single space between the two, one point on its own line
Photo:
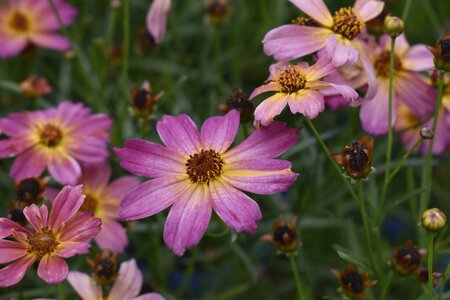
x=433 y=219
x=284 y=236
x=441 y=53
x=426 y=133
x=393 y=26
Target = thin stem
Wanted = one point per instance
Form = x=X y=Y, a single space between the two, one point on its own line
x=126 y=43
x=430 y=267
x=386 y=287
x=327 y=153
x=406 y=10
x=61 y=293
x=405 y=157
x=366 y=224
x=444 y=279
x=296 y=276
x=389 y=145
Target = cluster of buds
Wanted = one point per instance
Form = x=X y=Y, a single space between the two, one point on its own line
x=433 y=220
x=406 y=260
x=284 y=236
x=356 y=158
x=35 y=86
x=352 y=282
x=441 y=52
x=104 y=267
x=143 y=99
x=239 y=100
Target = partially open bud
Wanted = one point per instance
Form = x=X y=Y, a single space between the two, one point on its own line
x=352 y=282
x=426 y=133
x=30 y=190
x=238 y=99
x=433 y=219
x=393 y=26
x=284 y=236
x=407 y=259
x=356 y=158
x=441 y=52
x=143 y=99
x=35 y=87
x=104 y=267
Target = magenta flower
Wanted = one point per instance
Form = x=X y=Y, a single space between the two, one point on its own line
x=56 y=138
x=33 y=21
x=127 y=285
x=62 y=235
x=157 y=19
x=297 y=86
x=196 y=173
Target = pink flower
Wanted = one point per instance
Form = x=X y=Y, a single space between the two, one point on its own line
x=127 y=285
x=336 y=34
x=197 y=173
x=62 y=235
x=33 y=21
x=56 y=138
x=157 y=19
x=297 y=86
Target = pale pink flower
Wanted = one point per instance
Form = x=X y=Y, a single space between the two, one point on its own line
x=56 y=138
x=197 y=173
x=157 y=19
x=33 y=21
x=127 y=285
x=61 y=235
x=299 y=87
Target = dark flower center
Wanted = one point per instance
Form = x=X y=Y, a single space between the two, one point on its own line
x=89 y=204
x=382 y=63
x=204 y=166
x=51 y=135
x=19 y=22
x=445 y=49
x=409 y=256
x=28 y=190
x=283 y=235
x=42 y=242
x=105 y=269
x=358 y=155
x=347 y=23
x=354 y=281
x=291 y=79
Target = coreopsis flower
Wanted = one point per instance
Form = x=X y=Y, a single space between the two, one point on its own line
x=356 y=158
x=407 y=259
x=126 y=286
x=352 y=282
x=197 y=172
x=441 y=53
x=284 y=236
x=337 y=34
x=238 y=99
x=61 y=235
x=35 y=87
x=433 y=219
x=57 y=139
x=157 y=19
x=297 y=86
x=33 y=21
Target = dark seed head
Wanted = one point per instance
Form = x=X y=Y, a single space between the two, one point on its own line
x=354 y=281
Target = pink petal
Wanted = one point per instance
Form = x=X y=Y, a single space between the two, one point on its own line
x=288 y=42
x=374 y=113
x=346 y=91
x=157 y=19
x=37 y=216
x=7 y=226
x=48 y=20
x=51 y=41
x=265 y=142
x=128 y=283
x=149 y=159
x=53 y=269
x=85 y=285
x=321 y=68
x=64 y=169
x=69 y=249
x=341 y=50
x=269 y=87
x=30 y=163
x=11 y=45
x=188 y=219
x=119 y=187
x=260 y=176
x=372 y=82
x=270 y=108
x=316 y=9
x=82 y=228
x=11 y=251
x=66 y=204
x=180 y=134
x=151 y=197
x=95 y=177
x=15 y=124
x=14 y=146
x=370 y=9
x=413 y=90
x=235 y=208
x=113 y=236
x=150 y=296
x=418 y=58
x=219 y=132
x=401 y=44
x=307 y=102
x=91 y=150
x=14 y=272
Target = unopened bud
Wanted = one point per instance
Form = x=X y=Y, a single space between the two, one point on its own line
x=393 y=26
x=427 y=133
x=433 y=219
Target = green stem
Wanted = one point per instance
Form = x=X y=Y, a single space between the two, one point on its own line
x=405 y=157
x=386 y=287
x=296 y=276
x=186 y=277
x=366 y=225
x=126 y=44
x=389 y=145
x=444 y=279
x=406 y=10
x=430 y=267
x=61 y=292
x=327 y=153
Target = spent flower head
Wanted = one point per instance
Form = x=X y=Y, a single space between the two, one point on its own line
x=35 y=86
x=284 y=236
x=352 y=282
x=104 y=267
x=238 y=99
x=407 y=259
x=441 y=52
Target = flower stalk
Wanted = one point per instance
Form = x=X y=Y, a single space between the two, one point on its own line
x=296 y=276
x=430 y=266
